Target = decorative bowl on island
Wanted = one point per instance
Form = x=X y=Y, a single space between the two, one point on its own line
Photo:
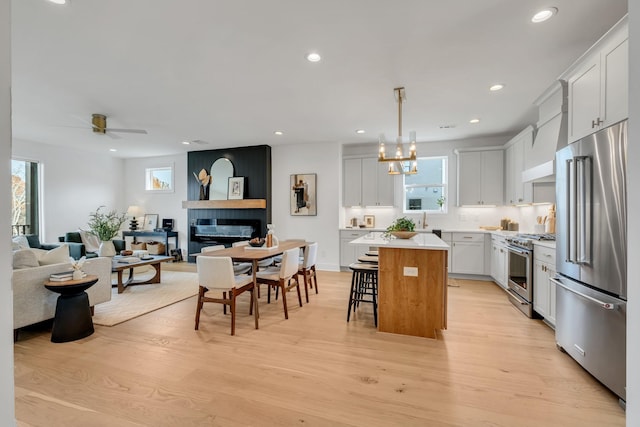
x=256 y=242
x=403 y=234
x=401 y=228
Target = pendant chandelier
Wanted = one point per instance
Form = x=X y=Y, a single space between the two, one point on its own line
x=399 y=164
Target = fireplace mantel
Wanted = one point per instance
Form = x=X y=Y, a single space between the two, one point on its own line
x=225 y=204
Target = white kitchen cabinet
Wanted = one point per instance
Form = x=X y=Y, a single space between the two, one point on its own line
x=544 y=291
x=480 y=177
x=467 y=253
x=599 y=85
x=350 y=253
x=352 y=182
x=366 y=183
x=499 y=259
x=517 y=191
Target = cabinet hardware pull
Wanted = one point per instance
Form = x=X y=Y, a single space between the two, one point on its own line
x=595 y=123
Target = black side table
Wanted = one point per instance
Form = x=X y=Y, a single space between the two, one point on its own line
x=73 y=314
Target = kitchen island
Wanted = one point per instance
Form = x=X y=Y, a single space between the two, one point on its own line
x=412 y=283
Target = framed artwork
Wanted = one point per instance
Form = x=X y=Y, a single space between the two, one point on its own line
x=150 y=222
x=159 y=179
x=236 y=188
x=303 y=195
x=369 y=221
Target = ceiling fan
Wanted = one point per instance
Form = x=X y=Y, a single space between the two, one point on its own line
x=99 y=125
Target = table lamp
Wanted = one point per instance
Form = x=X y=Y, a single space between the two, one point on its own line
x=133 y=211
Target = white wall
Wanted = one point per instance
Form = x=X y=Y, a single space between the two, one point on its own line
x=166 y=205
x=74 y=184
x=7 y=413
x=324 y=160
x=633 y=230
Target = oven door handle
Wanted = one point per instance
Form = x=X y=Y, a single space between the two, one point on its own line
x=518 y=251
x=605 y=305
x=517 y=297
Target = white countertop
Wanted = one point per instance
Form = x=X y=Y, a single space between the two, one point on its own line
x=419 y=241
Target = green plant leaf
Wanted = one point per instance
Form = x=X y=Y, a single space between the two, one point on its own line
x=106 y=225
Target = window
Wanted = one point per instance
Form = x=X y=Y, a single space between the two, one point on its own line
x=24 y=197
x=427 y=190
x=160 y=179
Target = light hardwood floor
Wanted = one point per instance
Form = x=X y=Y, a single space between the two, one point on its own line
x=492 y=367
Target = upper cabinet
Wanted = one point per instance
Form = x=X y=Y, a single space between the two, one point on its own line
x=599 y=84
x=366 y=183
x=517 y=191
x=480 y=177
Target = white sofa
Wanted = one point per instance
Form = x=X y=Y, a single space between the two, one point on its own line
x=33 y=303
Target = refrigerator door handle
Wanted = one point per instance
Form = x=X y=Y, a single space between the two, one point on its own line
x=572 y=214
x=605 y=305
x=583 y=210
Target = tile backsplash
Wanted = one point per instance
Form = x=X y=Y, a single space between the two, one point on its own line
x=461 y=218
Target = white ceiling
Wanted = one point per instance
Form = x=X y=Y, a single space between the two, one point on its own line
x=232 y=72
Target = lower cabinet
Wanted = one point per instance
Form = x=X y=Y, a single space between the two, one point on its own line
x=499 y=260
x=467 y=253
x=544 y=291
x=350 y=253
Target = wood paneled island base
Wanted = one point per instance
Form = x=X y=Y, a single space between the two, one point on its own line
x=412 y=305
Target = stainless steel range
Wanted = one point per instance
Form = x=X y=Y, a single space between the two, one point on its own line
x=520 y=269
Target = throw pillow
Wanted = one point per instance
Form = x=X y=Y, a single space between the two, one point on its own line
x=56 y=255
x=24 y=258
x=20 y=242
x=90 y=241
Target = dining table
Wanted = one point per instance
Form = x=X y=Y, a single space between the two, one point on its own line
x=254 y=255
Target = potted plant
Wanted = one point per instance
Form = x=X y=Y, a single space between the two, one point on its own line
x=402 y=228
x=106 y=225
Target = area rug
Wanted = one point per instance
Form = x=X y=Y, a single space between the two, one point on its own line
x=141 y=299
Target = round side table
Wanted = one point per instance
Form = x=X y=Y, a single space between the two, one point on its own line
x=72 y=320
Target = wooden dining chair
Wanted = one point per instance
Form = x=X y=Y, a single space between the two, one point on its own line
x=307 y=268
x=219 y=284
x=284 y=277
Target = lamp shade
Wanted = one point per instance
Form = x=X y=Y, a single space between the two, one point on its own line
x=134 y=211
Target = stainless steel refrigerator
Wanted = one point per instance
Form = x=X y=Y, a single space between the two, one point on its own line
x=591 y=254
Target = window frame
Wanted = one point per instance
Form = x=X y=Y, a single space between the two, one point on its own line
x=444 y=185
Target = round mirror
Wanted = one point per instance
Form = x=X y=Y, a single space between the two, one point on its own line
x=221 y=171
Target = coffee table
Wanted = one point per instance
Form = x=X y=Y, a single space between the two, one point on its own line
x=120 y=267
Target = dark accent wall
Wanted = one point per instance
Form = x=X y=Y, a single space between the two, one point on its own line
x=253 y=163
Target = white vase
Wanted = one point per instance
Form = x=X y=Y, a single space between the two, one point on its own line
x=107 y=249
x=77 y=274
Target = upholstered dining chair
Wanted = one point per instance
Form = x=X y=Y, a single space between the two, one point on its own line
x=216 y=277
x=307 y=268
x=238 y=267
x=262 y=263
x=284 y=277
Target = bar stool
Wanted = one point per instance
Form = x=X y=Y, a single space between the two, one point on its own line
x=371 y=252
x=368 y=259
x=364 y=288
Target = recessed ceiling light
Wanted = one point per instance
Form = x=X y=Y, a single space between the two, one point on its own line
x=496 y=87
x=544 y=14
x=474 y=121
x=314 y=57
x=185 y=143
x=360 y=131
x=278 y=132
x=58 y=1
x=112 y=149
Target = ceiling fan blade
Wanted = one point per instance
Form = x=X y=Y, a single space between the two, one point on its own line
x=112 y=135
x=127 y=130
